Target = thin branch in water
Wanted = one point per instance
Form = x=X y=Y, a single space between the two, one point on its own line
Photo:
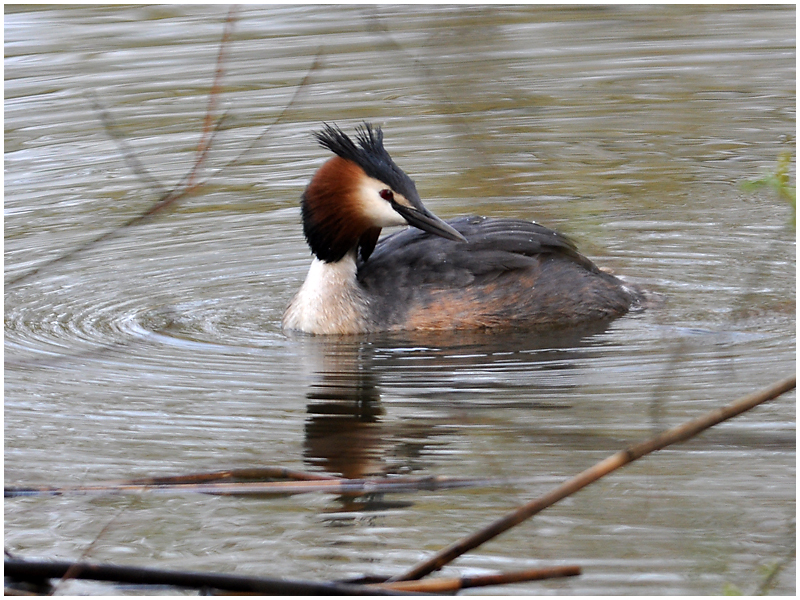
x=442 y=585
x=612 y=463
x=334 y=485
x=252 y=473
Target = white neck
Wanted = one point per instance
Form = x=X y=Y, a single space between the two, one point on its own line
x=329 y=301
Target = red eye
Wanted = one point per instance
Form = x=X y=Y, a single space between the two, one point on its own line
x=387 y=195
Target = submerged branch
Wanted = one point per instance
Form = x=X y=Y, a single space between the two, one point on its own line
x=330 y=485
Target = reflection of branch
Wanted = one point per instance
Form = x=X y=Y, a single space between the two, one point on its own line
x=452 y=111
x=612 y=463
x=301 y=86
x=188 y=183
x=167 y=198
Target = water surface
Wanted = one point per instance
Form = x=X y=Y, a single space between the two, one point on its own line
x=159 y=350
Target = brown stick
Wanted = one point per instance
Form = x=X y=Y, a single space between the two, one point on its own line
x=254 y=473
x=186 y=482
x=453 y=584
x=604 y=467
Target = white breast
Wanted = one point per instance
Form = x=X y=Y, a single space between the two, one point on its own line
x=329 y=301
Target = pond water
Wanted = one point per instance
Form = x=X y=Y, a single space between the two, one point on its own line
x=158 y=350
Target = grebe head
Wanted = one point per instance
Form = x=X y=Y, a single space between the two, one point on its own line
x=356 y=193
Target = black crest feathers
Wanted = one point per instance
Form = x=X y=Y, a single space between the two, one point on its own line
x=369 y=154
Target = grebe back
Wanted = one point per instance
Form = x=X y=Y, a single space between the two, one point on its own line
x=471 y=272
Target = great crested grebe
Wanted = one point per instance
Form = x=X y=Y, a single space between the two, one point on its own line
x=471 y=272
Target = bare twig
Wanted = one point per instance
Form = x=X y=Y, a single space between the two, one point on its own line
x=441 y=585
x=180 y=191
x=612 y=463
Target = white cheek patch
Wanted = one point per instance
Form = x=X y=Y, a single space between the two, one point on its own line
x=373 y=207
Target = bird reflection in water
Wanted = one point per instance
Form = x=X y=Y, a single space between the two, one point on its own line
x=347 y=432
x=344 y=432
